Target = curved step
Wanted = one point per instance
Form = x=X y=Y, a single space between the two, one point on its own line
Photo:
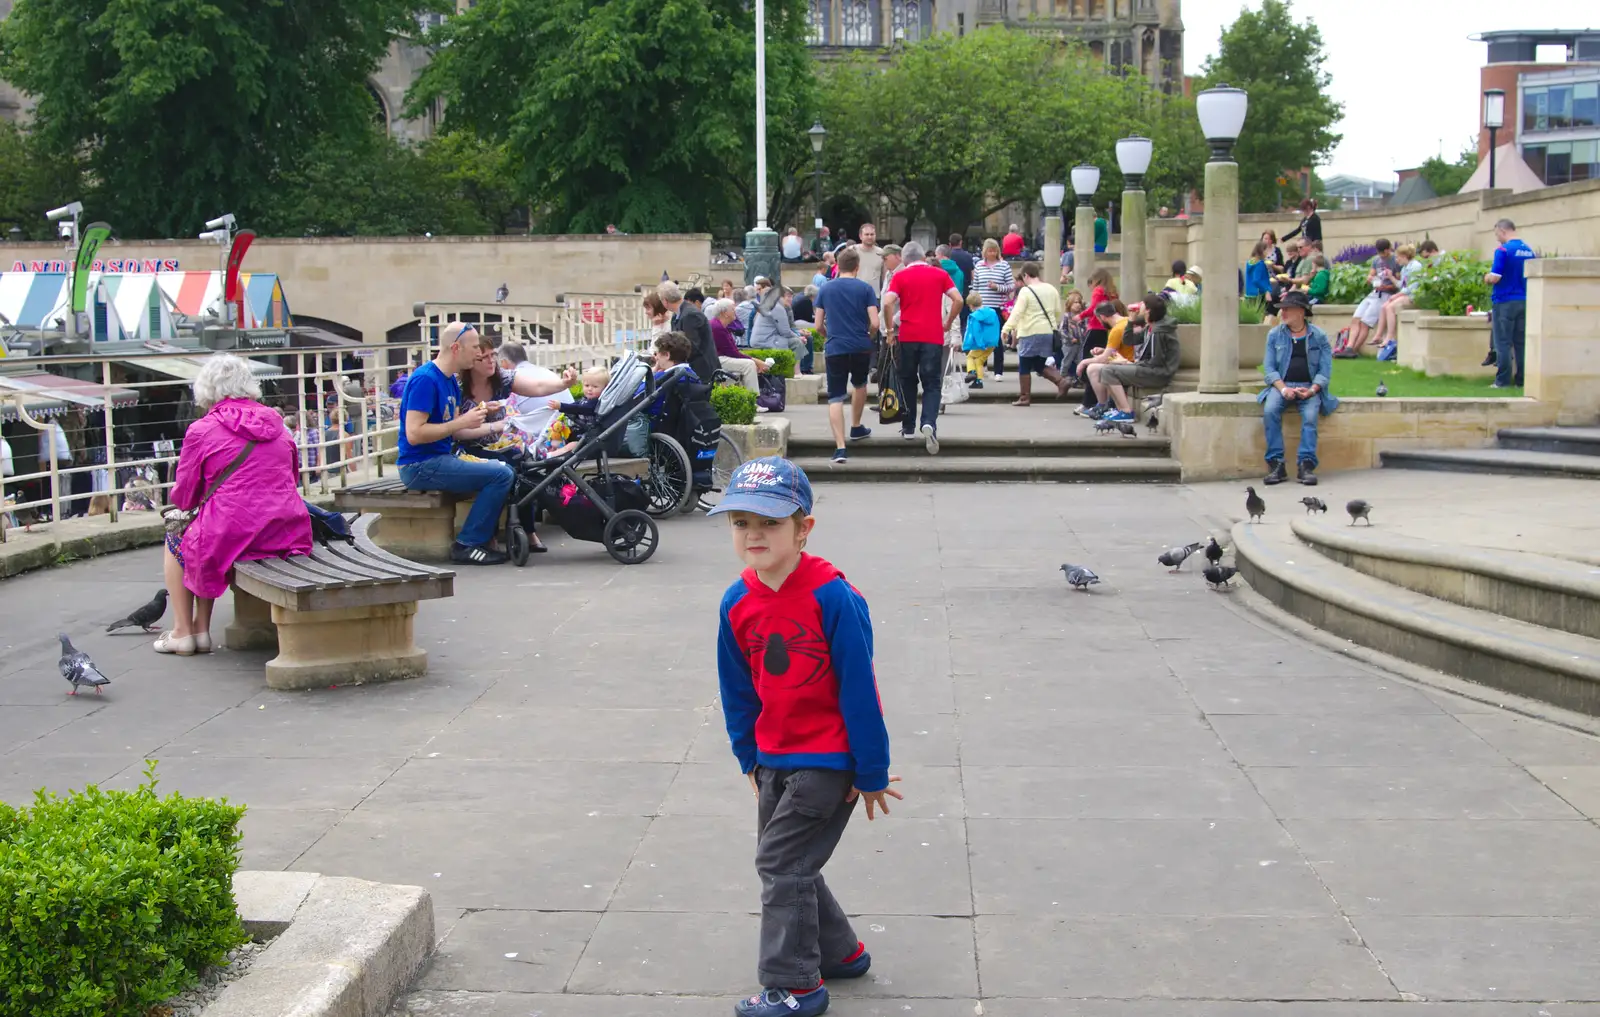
x=886 y=443
x=1550 y=592
x=1494 y=460
x=1504 y=653
x=920 y=467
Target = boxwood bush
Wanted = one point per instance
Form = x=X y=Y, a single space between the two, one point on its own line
x=113 y=901
x=782 y=361
x=1453 y=282
x=735 y=404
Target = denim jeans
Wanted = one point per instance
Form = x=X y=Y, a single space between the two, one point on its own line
x=800 y=816
x=491 y=481
x=1510 y=336
x=805 y=353
x=1272 y=421
x=922 y=362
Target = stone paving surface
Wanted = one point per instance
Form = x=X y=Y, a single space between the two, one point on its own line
x=1134 y=802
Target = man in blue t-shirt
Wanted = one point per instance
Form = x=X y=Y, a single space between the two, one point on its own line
x=847 y=313
x=430 y=415
x=1510 y=298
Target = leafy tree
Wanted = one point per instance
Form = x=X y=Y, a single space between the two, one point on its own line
x=31 y=183
x=1290 y=122
x=183 y=109
x=1447 y=177
x=634 y=112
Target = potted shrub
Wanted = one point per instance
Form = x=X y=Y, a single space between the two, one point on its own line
x=736 y=405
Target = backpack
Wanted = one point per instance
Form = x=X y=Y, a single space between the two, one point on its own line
x=328 y=526
x=1389 y=350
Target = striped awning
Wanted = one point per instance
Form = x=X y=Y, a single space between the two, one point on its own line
x=49 y=395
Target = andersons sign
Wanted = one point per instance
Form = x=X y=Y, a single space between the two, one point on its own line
x=108 y=265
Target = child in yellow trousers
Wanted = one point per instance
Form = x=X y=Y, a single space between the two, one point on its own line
x=982 y=335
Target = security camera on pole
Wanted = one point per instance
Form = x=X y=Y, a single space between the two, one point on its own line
x=67 y=219
x=1133 y=157
x=761 y=254
x=1085 y=179
x=1221 y=112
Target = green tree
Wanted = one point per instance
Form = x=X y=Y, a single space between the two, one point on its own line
x=1447 y=177
x=634 y=112
x=1279 y=61
x=31 y=183
x=183 y=109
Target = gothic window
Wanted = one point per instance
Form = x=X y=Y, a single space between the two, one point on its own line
x=817 y=22
x=857 y=23
x=909 y=23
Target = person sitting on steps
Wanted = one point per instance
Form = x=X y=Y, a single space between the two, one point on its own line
x=1298 y=363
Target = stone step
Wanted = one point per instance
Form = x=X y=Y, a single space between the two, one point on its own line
x=920 y=467
x=1583 y=441
x=886 y=443
x=1495 y=460
x=1480 y=646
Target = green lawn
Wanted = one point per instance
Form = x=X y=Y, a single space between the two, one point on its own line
x=1361 y=377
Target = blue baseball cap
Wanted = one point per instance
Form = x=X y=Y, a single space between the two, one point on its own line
x=772 y=487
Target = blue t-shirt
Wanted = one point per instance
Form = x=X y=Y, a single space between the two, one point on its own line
x=844 y=301
x=429 y=391
x=1509 y=261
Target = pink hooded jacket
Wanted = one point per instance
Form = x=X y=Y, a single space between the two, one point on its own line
x=257 y=512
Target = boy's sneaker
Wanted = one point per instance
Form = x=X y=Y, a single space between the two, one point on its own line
x=1116 y=416
x=783 y=1003
x=974 y=384
x=840 y=456
x=853 y=966
x=907 y=435
x=482 y=554
x=859 y=432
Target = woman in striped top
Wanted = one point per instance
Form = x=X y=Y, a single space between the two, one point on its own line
x=994 y=282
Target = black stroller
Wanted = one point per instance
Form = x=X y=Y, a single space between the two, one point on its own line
x=607 y=508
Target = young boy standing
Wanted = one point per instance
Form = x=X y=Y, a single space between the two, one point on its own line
x=794 y=658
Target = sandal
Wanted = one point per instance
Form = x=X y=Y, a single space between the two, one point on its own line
x=169 y=643
x=1023 y=402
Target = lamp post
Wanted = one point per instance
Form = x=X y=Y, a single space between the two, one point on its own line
x=1221 y=111
x=1084 y=181
x=1494 y=118
x=1133 y=157
x=761 y=255
x=818 y=134
x=1052 y=194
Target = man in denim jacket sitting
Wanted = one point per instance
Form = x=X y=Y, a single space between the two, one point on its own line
x=1297 y=365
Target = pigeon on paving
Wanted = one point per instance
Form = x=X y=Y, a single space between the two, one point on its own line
x=1314 y=505
x=1174 y=558
x=145 y=616
x=1104 y=426
x=1154 y=421
x=78 y=669
x=1359 y=509
x=1383 y=390
x=1213 y=551
x=1253 y=505
x=1218 y=575
x=1079 y=577
x=1127 y=429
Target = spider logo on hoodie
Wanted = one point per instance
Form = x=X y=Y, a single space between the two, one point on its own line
x=791 y=654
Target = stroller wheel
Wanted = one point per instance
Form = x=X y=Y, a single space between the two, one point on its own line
x=631 y=537
x=518 y=546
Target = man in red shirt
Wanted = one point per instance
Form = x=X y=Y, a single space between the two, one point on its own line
x=927 y=302
x=1012 y=244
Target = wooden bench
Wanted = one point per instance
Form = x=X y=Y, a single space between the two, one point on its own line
x=423 y=524
x=341 y=615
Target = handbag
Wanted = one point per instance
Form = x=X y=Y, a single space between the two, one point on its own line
x=953 y=389
x=890 y=409
x=176 y=520
x=774 y=393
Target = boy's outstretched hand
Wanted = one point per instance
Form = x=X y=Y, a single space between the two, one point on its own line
x=878 y=798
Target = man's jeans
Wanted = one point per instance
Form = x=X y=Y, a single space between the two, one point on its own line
x=922 y=362
x=1510 y=336
x=800 y=816
x=491 y=481
x=1272 y=420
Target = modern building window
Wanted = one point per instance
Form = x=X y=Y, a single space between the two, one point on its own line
x=1561 y=162
x=1561 y=107
x=857 y=23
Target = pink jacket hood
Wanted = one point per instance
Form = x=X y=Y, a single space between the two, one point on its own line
x=248 y=419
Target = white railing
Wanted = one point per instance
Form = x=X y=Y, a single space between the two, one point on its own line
x=337 y=400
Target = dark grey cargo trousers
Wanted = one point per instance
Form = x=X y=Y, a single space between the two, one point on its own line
x=801 y=816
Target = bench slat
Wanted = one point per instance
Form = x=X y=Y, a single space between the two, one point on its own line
x=281 y=573
x=346 y=556
x=362 y=531
x=336 y=573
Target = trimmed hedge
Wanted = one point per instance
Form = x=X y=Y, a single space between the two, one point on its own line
x=113 y=901
x=735 y=404
x=782 y=361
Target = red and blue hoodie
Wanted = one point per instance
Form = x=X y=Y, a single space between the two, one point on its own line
x=798 y=689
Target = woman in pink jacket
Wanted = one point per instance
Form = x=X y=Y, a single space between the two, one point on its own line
x=254 y=512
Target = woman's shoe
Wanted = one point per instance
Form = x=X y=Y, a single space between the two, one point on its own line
x=170 y=643
x=202 y=642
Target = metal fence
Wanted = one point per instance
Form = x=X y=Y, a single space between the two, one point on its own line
x=108 y=427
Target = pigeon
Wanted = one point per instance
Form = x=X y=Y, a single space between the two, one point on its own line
x=1151 y=402
x=1383 y=390
x=1213 y=551
x=1127 y=429
x=1314 y=505
x=1154 y=421
x=1218 y=575
x=78 y=669
x=502 y=294
x=146 y=615
x=1253 y=505
x=1359 y=509
x=1174 y=558
x=1104 y=426
x=1080 y=577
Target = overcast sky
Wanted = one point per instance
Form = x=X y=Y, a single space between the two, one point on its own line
x=1404 y=69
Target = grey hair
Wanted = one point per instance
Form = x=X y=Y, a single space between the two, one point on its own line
x=1507 y=225
x=225 y=376
x=513 y=353
x=669 y=293
x=715 y=308
x=811 y=291
x=749 y=292
x=943 y=250
x=913 y=252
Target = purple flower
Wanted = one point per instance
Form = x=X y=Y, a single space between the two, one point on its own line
x=1356 y=253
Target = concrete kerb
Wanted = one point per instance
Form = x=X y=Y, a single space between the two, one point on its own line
x=344 y=947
